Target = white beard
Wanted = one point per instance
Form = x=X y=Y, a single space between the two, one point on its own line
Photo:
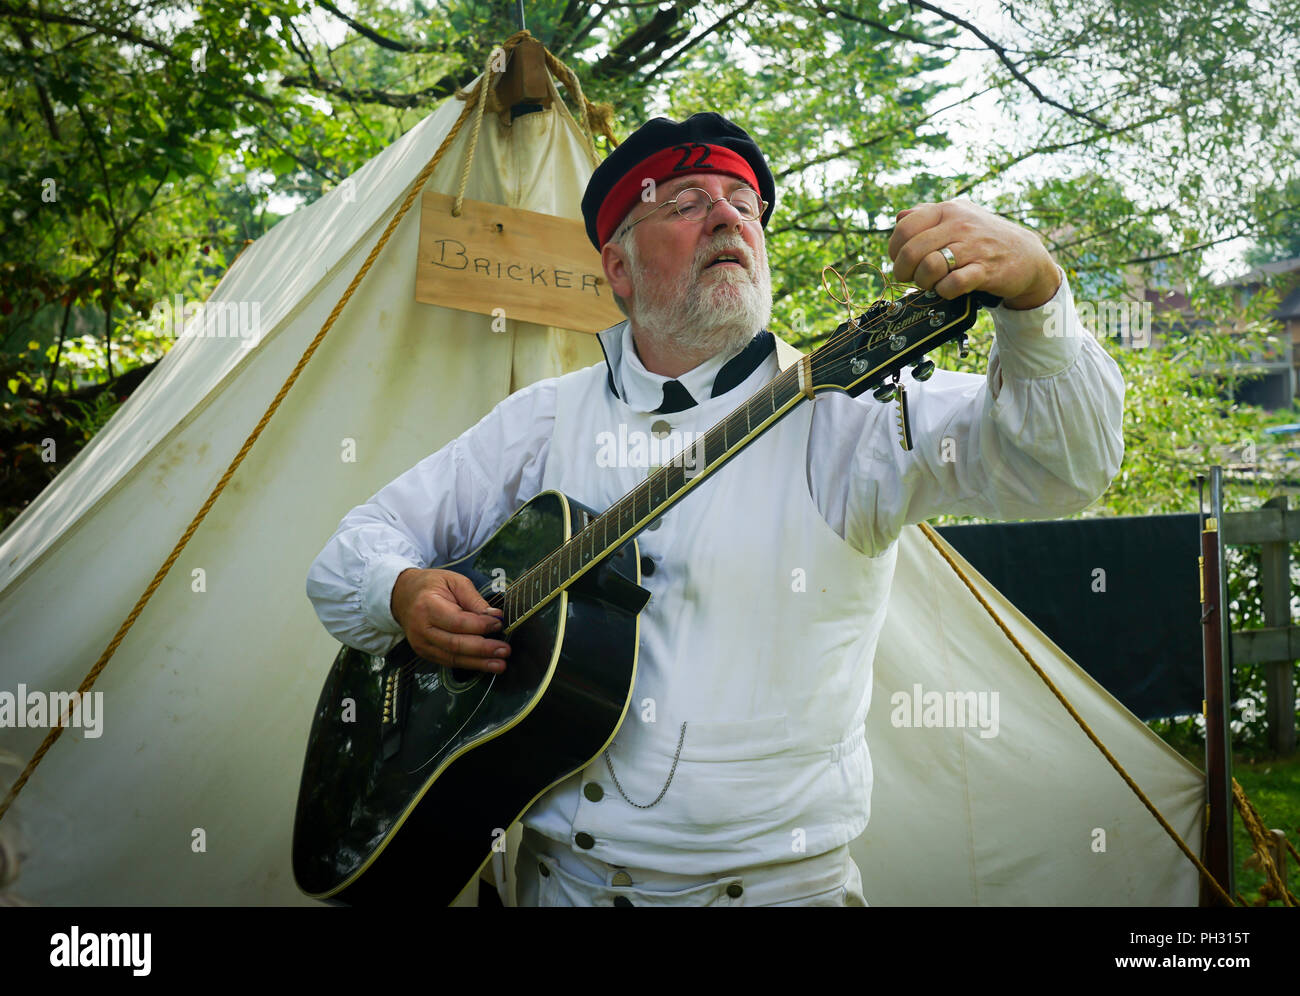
x=705 y=313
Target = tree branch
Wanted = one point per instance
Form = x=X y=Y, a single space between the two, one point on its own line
x=1001 y=53
x=656 y=34
x=830 y=231
x=383 y=41
x=48 y=17
x=1055 y=147
x=47 y=110
x=875 y=139
x=654 y=73
x=880 y=26
x=444 y=88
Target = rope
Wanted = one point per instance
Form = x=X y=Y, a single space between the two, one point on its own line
x=1263 y=841
x=486 y=81
x=413 y=191
x=593 y=118
x=933 y=537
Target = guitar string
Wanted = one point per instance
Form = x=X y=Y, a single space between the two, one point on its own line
x=786 y=379
x=561 y=560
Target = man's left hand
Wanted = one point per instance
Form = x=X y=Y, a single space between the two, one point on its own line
x=989 y=254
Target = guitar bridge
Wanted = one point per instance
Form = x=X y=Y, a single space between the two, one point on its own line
x=390 y=726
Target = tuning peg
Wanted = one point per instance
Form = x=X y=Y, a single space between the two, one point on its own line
x=923 y=370
x=962 y=351
x=885 y=392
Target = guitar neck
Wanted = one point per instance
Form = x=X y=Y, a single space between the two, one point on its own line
x=858 y=356
x=662 y=489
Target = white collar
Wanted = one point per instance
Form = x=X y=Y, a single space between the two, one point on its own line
x=643 y=390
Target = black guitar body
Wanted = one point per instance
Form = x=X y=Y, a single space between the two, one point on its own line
x=414 y=771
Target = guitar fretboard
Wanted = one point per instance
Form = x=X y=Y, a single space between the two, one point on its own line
x=652 y=497
x=895 y=334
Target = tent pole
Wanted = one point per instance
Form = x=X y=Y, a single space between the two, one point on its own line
x=1217 y=848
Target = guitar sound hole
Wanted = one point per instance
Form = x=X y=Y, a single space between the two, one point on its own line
x=457 y=679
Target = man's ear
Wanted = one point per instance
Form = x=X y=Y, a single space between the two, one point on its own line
x=614 y=260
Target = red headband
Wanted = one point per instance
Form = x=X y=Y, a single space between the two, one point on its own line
x=664 y=165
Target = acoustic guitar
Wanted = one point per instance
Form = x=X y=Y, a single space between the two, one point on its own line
x=414 y=770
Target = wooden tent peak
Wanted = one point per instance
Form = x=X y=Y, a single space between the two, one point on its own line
x=526 y=80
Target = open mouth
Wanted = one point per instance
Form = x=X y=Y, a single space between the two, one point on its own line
x=726 y=260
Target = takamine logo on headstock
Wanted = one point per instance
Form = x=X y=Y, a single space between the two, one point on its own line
x=903 y=314
x=892 y=328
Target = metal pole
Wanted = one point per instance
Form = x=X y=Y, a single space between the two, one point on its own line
x=519 y=15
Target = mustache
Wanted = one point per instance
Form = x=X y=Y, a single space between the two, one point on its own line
x=734 y=246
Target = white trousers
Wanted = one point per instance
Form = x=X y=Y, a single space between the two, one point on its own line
x=553 y=874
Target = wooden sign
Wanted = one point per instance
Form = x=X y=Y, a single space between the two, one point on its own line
x=503 y=262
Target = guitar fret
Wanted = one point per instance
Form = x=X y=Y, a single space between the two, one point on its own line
x=739 y=435
x=679 y=475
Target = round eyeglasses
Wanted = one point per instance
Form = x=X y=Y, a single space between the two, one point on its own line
x=694 y=204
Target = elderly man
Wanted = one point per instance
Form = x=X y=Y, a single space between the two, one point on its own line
x=741 y=772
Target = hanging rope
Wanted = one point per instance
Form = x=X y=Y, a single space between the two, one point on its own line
x=1219 y=891
x=485 y=81
x=1263 y=842
x=474 y=99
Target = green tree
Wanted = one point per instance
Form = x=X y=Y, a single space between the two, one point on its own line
x=1141 y=138
x=1279 y=234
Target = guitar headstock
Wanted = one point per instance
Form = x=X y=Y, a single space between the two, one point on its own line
x=870 y=352
x=863 y=354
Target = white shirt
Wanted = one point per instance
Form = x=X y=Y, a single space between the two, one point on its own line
x=1039 y=436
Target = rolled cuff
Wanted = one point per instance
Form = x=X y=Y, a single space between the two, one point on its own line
x=1042 y=341
x=377 y=592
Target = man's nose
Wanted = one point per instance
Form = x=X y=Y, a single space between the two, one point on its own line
x=724 y=215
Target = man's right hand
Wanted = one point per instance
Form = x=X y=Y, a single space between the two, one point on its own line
x=446 y=620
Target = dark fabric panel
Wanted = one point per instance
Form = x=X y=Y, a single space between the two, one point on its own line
x=1141 y=636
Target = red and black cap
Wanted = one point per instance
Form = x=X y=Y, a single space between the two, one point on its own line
x=662 y=149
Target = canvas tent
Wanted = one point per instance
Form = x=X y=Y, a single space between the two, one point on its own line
x=208 y=701
x=1033 y=815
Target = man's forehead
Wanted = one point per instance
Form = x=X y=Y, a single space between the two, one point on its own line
x=678 y=184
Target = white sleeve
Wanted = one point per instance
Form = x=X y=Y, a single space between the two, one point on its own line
x=441 y=509
x=1039 y=436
